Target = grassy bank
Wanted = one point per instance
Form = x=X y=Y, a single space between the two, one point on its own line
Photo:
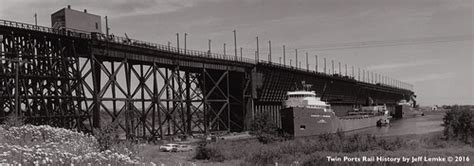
x=455 y=140
x=308 y=151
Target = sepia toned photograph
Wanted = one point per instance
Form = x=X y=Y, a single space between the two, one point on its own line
x=236 y=82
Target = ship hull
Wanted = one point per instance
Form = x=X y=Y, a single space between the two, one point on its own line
x=300 y=121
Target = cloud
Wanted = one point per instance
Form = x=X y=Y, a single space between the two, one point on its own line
x=148 y=7
x=297 y=24
x=392 y=66
x=431 y=77
x=117 y=8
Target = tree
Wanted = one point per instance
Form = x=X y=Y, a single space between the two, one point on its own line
x=265 y=129
x=459 y=124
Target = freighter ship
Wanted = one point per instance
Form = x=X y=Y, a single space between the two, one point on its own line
x=304 y=114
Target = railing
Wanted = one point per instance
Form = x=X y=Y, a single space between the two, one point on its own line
x=63 y=31
x=122 y=40
x=399 y=85
x=170 y=49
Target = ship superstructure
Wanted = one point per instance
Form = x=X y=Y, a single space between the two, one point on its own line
x=307 y=99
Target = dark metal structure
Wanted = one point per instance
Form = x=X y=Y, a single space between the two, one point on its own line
x=85 y=81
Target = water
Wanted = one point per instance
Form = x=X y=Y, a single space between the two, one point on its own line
x=431 y=122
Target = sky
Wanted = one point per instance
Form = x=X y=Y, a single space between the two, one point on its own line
x=428 y=43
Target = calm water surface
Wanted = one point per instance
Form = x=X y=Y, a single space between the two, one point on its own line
x=431 y=122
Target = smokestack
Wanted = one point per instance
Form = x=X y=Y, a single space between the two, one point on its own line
x=85 y=10
x=69 y=6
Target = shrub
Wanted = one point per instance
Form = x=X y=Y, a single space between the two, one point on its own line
x=106 y=137
x=459 y=124
x=204 y=152
x=432 y=142
x=107 y=140
x=390 y=145
x=13 y=120
x=265 y=129
x=265 y=156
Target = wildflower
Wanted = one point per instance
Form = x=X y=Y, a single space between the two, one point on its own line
x=55 y=146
